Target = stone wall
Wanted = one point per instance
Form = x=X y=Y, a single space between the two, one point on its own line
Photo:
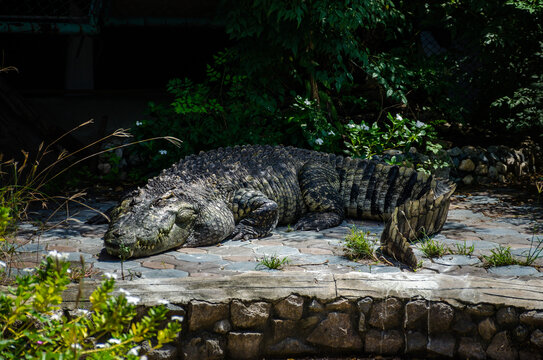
x=501 y=164
x=299 y=325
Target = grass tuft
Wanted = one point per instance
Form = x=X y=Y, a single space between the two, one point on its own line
x=432 y=248
x=501 y=256
x=359 y=245
x=273 y=262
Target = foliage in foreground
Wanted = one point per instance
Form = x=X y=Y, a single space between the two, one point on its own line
x=33 y=326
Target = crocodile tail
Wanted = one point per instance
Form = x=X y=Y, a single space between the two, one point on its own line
x=414 y=218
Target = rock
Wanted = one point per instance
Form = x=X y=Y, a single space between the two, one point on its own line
x=533 y=317
x=467 y=165
x=315 y=307
x=487 y=328
x=364 y=305
x=416 y=315
x=386 y=314
x=244 y=345
x=166 y=352
x=463 y=324
x=520 y=333
x=502 y=179
x=509 y=160
x=204 y=315
x=483 y=180
x=222 y=327
x=204 y=347
x=440 y=317
x=492 y=172
x=291 y=346
x=501 y=348
x=441 y=345
x=388 y=342
x=336 y=331
x=468 y=179
x=291 y=308
x=537 y=338
x=254 y=315
x=342 y=305
x=471 y=349
x=493 y=149
x=480 y=310
x=282 y=329
x=501 y=167
x=470 y=151
x=521 y=169
x=416 y=342
x=481 y=169
x=455 y=151
x=507 y=317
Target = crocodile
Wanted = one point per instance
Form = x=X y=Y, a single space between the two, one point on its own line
x=244 y=192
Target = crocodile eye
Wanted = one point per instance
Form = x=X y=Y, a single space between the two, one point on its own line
x=185 y=216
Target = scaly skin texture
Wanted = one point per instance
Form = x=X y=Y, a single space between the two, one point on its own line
x=244 y=192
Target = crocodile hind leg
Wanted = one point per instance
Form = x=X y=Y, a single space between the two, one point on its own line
x=415 y=218
x=319 y=184
x=257 y=214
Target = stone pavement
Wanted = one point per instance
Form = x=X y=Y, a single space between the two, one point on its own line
x=482 y=219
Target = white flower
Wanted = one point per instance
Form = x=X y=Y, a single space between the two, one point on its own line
x=307 y=102
x=365 y=127
x=76 y=346
x=143 y=357
x=101 y=346
x=2 y=264
x=134 y=351
x=82 y=312
x=55 y=255
x=132 y=300
x=351 y=125
x=319 y=141
x=139 y=123
x=419 y=124
x=162 y=152
x=123 y=291
x=29 y=270
x=110 y=276
x=163 y=302
x=399 y=117
x=331 y=132
x=114 y=341
x=177 y=318
x=55 y=317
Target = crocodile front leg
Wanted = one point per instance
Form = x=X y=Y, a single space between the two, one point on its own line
x=320 y=190
x=257 y=214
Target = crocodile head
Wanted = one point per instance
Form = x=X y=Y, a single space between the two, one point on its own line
x=143 y=225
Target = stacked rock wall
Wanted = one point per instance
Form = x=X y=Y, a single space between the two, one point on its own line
x=298 y=325
x=476 y=165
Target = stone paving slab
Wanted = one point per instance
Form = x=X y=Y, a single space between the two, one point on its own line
x=485 y=220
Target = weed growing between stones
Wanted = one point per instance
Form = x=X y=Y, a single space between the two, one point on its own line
x=33 y=326
x=432 y=248
x=501 y=256
x=359 y=245
x=463 y=249
x=273 y=262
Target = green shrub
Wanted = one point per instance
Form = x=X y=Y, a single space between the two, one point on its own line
x=223 y=110
x=501 y=256
x=34 y=327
